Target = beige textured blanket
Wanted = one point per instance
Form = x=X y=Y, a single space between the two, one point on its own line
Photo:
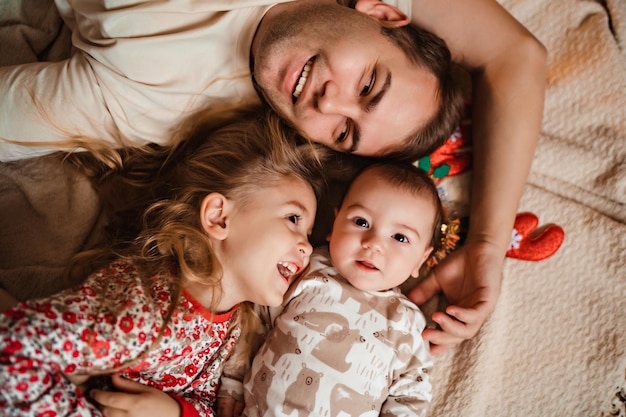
x=556 y=343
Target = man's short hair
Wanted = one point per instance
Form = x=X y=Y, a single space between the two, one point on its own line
x=427 y=50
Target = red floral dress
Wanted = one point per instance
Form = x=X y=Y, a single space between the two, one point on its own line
x=105 y=324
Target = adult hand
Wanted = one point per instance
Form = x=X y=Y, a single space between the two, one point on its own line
x=470 y=278
x=134 y=399
x=229 y=407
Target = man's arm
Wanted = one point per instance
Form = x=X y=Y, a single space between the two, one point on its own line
x=508 y=71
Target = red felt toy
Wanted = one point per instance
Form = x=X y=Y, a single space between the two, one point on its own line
x=530 y=243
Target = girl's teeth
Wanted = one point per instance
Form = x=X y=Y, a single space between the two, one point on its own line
x=287 y=268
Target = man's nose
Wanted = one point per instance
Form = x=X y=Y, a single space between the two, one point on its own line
x=334 y=100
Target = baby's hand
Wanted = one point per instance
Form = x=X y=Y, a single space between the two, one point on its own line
x=229 y=407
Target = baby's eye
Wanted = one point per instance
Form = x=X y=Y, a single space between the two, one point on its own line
x=359 y=221
x=294 y=218
x=401 y=238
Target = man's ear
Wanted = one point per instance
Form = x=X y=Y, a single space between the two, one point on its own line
x=214 y=215
x=416 y=271
x=388 y=15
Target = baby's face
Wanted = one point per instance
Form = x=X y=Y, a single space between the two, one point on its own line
x=381 y=234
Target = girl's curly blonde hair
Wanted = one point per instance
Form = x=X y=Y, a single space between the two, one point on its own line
x=236 y=152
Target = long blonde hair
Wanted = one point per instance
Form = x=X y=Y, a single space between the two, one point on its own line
x=235 y=152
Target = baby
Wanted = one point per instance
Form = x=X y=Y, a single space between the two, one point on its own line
x=346 y=339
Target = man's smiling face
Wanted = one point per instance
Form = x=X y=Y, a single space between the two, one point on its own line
x=331 y=72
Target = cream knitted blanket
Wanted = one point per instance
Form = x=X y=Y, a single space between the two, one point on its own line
x=556 y=342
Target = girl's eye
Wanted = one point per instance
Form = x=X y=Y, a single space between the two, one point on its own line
x=367 y=88
x=401 y=238
x=294 y=218
x=359 y=221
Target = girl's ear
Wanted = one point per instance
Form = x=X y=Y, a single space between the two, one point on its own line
x=416 y=270
x=388 y=16
x=214 y=212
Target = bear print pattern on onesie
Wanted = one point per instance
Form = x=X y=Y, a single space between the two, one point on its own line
x=335 y=350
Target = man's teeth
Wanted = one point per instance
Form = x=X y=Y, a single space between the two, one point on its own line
x=302 y=80
x=287 y=269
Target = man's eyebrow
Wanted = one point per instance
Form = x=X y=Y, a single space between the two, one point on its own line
x=368 y=108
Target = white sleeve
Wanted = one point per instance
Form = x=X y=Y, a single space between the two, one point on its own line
x=47 y=103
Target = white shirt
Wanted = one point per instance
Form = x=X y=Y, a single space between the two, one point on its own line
x=138 y=68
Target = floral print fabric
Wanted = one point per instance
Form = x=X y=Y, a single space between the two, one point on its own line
x=107 y=325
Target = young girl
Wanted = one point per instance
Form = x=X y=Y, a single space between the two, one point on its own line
x=163 y=317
